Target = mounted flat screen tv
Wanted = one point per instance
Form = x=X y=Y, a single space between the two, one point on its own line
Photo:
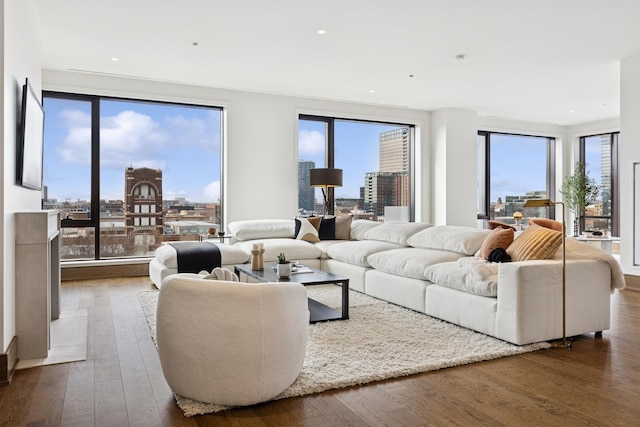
x=30 y=140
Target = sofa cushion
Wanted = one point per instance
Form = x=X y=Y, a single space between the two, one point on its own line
x=409 y=262
x=306 y=230
x=395 y=231
x=468 y=274
x=497 y=224
x=262 y=229
x=454 y=238
x=497 y=238
x=166 y=255
x=343 y=227
x=327 y=229
x=356 y=252
x=535 y=242
x=545 y=222
x=292 y=248
x=360 y=226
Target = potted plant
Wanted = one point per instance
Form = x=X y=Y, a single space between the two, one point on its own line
x=284 y=266
x=578 y=191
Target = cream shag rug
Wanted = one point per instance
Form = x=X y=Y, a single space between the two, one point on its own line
x=379 y=341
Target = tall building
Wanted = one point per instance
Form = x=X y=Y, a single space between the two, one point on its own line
x=143 y=205
x=394 y=150
x=390 y=186
x=306 y=193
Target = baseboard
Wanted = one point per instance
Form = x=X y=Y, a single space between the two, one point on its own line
x=105 y=271
x=8 y=362
x=633 y=282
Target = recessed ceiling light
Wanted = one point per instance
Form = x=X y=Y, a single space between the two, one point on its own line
x=322 y=32
x=195 y=43
x=410 y=75
x=572 y=111
x=460 y=57
x=115 y=59
x=372 y=91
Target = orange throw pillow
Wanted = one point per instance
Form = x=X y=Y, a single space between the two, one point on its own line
x=498 y=238
x=497 y=224
x=548 y=223
x=535 y=243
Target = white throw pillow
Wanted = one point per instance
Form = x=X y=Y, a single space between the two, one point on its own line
x=360 y=226
x=262 y=229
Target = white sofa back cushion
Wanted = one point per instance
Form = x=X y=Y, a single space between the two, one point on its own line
x=453 y=238
x=360 y=226
x=262 y=229
x=397 y=232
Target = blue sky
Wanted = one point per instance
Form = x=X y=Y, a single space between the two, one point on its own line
x=169 y=137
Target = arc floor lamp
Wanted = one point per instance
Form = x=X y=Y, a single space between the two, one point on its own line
x=539 y=203
x=326 y=178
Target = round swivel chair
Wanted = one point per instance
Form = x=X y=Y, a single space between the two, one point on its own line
x=231 y=343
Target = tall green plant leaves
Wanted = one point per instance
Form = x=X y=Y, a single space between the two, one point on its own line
x=579 y=190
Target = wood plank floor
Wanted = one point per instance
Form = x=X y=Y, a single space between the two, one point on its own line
x=121 y=382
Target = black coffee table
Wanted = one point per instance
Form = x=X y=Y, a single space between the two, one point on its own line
x=319 y=312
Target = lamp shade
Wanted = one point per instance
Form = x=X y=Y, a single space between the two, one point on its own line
x=325 y=177
x=538 y=203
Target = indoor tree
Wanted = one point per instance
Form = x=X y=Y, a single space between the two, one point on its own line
x=578 y=191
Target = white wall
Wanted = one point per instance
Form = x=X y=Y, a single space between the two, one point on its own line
x=629 y=154
x=454 y=177
x=261 y=153
x=21 y=59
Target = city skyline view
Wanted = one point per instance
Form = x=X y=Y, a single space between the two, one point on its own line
x=159 y=136
x=356 y=151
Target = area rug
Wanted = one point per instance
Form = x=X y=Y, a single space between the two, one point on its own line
x=379 y=341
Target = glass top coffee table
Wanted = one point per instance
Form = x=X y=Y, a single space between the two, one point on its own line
x=319 y=312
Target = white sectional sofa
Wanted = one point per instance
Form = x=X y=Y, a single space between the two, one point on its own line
x=435 y=270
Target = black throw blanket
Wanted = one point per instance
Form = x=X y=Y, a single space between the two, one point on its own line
x=193 y=257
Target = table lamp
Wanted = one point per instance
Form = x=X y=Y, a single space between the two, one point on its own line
x=538 y=203
x=326 y=178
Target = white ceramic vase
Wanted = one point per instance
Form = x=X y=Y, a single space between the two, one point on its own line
x=284 y=270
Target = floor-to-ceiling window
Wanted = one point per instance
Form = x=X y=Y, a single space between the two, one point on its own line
x=376 y=159
x=600 y=155
x=130 y=174
x=511 y=169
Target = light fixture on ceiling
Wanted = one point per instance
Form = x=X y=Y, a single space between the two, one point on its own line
x=372 y=91
x=322 y=31
x=114 y=59
x=194 y=44
x=460 y=57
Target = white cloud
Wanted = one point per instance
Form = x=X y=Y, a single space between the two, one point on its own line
x=212 y=191
x=310 y=143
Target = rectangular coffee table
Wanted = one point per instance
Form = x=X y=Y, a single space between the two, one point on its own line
x=319 y=312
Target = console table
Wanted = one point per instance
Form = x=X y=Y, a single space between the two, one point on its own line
x=37 y=276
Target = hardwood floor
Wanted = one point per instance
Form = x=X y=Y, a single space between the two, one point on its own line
x=121 y=382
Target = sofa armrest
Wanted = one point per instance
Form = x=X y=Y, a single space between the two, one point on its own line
x=530 y=299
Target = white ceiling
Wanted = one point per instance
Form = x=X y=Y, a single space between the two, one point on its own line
x=550 y=61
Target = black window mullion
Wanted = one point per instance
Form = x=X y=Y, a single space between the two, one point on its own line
x=95 y=172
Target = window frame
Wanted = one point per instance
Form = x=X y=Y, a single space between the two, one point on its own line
x=330 y=150
x=615 y=187
x=95 y=100
x=484 y=161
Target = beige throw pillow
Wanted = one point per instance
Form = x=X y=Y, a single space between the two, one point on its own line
x=535 y=242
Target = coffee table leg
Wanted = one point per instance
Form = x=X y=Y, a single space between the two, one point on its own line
x=345 y=299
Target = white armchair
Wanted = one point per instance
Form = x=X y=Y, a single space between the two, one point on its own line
x=231 y=343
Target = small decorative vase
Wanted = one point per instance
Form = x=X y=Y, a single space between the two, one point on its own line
x=284 y=270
